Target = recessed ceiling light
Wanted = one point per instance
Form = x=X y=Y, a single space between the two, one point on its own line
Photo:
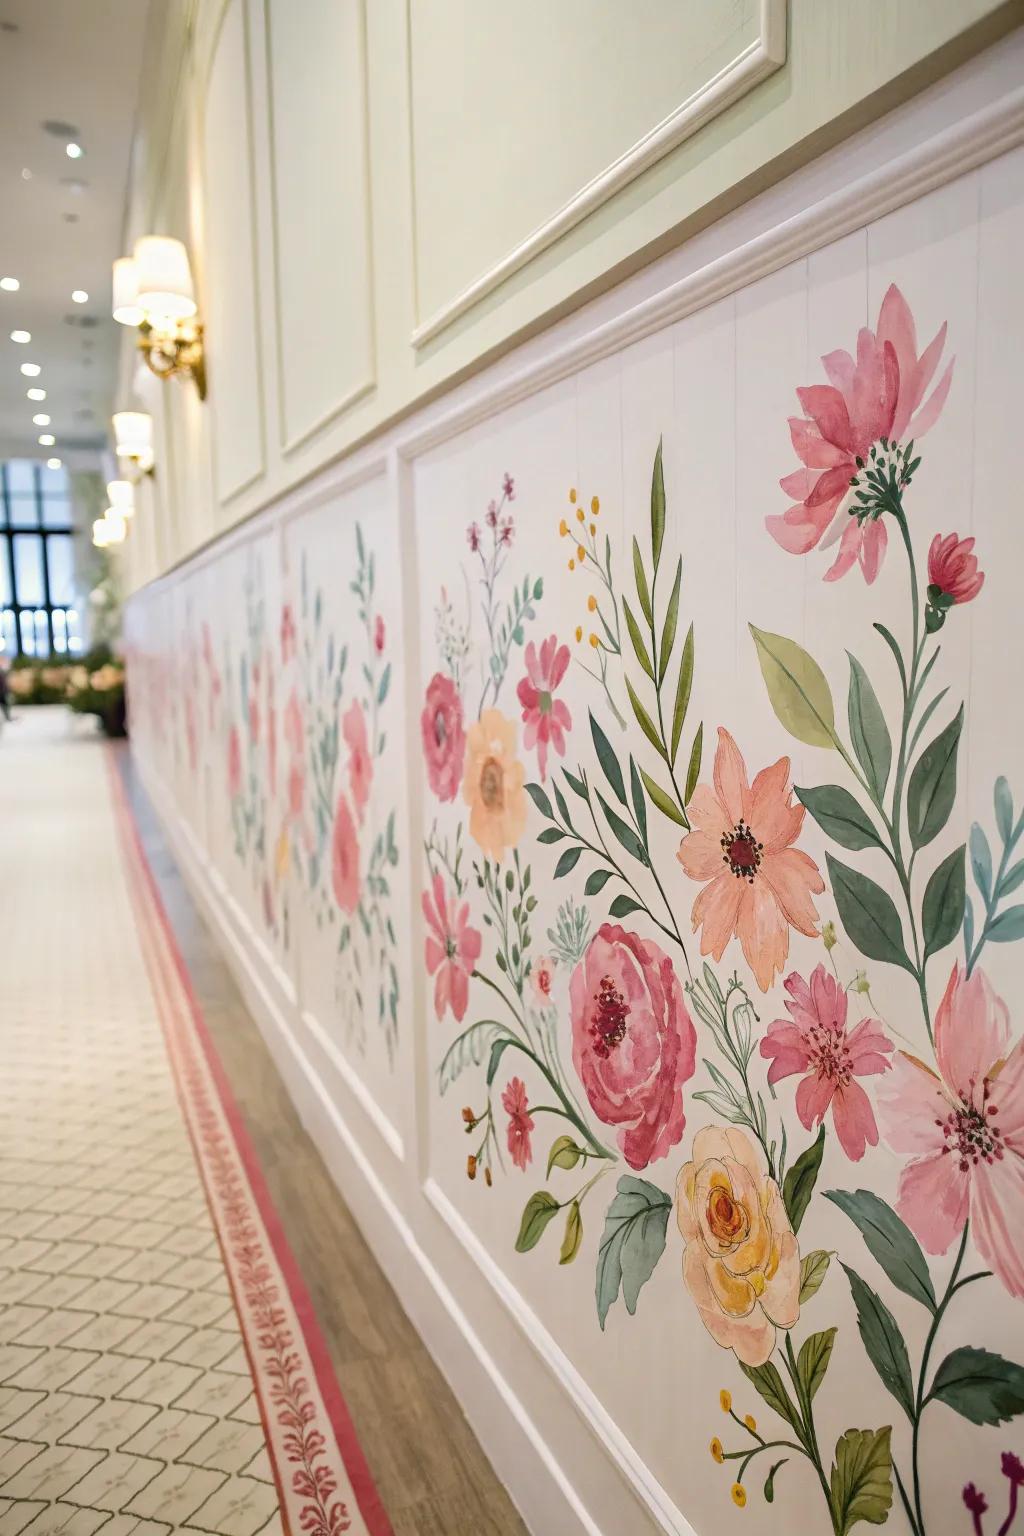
x=46 y=439
x=31 y=370
x=37 y=394
x=9 y=284
x=41 y=420
x=74 y=151
x=21 y=337
x=26 y=174
x=53 y=464
x=80 y=296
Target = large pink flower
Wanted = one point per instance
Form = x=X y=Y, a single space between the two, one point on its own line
x=965 y=1129
x=520 y=1121
x=444 y=737
x=759 y=885
x=815 y=1040
x=345 y=858
x=876 y=396
x=633 y=1041
x=234 y=762
x=547 y=719
x=360 y=763
x=452 y=948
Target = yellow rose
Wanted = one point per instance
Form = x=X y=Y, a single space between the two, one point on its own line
x=742 y=1263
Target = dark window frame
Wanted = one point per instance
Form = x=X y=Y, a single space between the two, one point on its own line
x=9 y=531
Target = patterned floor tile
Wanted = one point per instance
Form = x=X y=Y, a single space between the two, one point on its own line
x=241 y=1507
x=176 y=1493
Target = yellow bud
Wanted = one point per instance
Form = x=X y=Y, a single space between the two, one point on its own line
x=828 y=935
x=593 y=529
x=717 y=1454
x=572 y=495
x=563 y=527
x=572 y=565
x=591 y=602
x=579 y=514
x=750 y=1422
x=725 y=1398
x=581 y=553
x=594 y=641
x=595 y=505
x=579 y=632
x=861 y=983
x=739 y=1495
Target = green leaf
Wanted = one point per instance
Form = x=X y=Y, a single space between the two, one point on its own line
x=693 y=768
x=537 y=1212
x=644 y=720
x=801 y=1179
x=797 y=689
x=932 y=787
x=981 y=861
x=494 y=1060
x=862 y=1478
x=868 y=730
x=550 y=835
x=563 y=809
x=889 y=1241
x=1003 y=801
x=893 y=645
x=567 y=862
x=573 y=1235
x=540 y=800
x=980 y=1386
x=839 y=816
x=638 y=641
x=564 y=1154
x=769 y=1482
x=867 y=913
x=640 y=577
x=813 y=1269
x=684 y=683
x=1009 y=925
x=668 y=634
x=575 y=784
x=632 y=1243
x=883 y=1341
x=657 y=508
x=663 y=800
x=623 y=832
x=596 y=881
x=609 y=762
x=772 y=1388
x=812 y=1361
x=943 y=907
x=1013 y=879
x=622 y=906
x=639 y=803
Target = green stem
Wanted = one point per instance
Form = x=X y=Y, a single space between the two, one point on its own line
x=567 y=1109
x=811 y=1450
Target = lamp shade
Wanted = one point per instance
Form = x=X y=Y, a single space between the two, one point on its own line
x=164 y=278
x=133 y=435
x=126 y=310
x=115 y=525
x=99 y=533
x=122 y=496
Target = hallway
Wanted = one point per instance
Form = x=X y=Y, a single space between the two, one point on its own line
x=141 y=1254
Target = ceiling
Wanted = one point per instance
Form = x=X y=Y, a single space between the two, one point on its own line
x=74 y=63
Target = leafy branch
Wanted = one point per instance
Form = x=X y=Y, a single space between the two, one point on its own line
x=999 y=927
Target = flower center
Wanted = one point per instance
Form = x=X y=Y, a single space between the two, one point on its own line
x=971 y=1134
x=742 y=852
x=608 y=1020
x=492 y=784
x=726 y=1219
x=451 y=949
x=440 y=728
x=544 y=703
x=831 y=1054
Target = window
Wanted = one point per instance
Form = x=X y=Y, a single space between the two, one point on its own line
x=38 y=615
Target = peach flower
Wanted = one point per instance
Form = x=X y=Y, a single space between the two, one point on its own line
x=345 y=859
x=492 y=786
x=742 y=1263
x=759 y=885
x=360 y=763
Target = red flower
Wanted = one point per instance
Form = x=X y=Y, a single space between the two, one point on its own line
x=444 y=737
x=234 y=763
x=345 y=858
x=633 y=1041
x=520 y=1122
x=378 y=635
x=452 y=948
x=547 y=719
x=953 y=577
x=473 y=536
x=360 y=763
x=287 y=633
x=875 y=400
x=815 y=1040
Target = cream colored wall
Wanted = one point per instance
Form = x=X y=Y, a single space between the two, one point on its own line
x=378 y=197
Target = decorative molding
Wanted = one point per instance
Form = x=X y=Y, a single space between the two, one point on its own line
x=736 y=79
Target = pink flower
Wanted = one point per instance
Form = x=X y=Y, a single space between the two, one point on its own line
x=254 y=719
x=473 y=536
x=506 y=531
x=965 y=1130
x=508 y=487
x=547 y=719
x=444 y=738
x=287 y=633
x=234 y=762
x=452 y=948
x=815 y=1040
x=759 y=885
x=633 y=1041
x=520 y=1122
x=877 y=397
x=345 y=858
x=491 y=518
x=378 y=635
x=294 y=736
x=542 y=977
x=360 y=763
x=952 y=570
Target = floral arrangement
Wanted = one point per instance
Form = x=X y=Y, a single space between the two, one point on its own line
x=668 y=967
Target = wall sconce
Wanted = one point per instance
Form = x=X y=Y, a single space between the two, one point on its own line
x=121 y=495
x=153 y=290
x=133 y=439
x=109 y=529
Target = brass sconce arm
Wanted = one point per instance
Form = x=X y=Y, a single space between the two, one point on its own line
x=178 y=350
